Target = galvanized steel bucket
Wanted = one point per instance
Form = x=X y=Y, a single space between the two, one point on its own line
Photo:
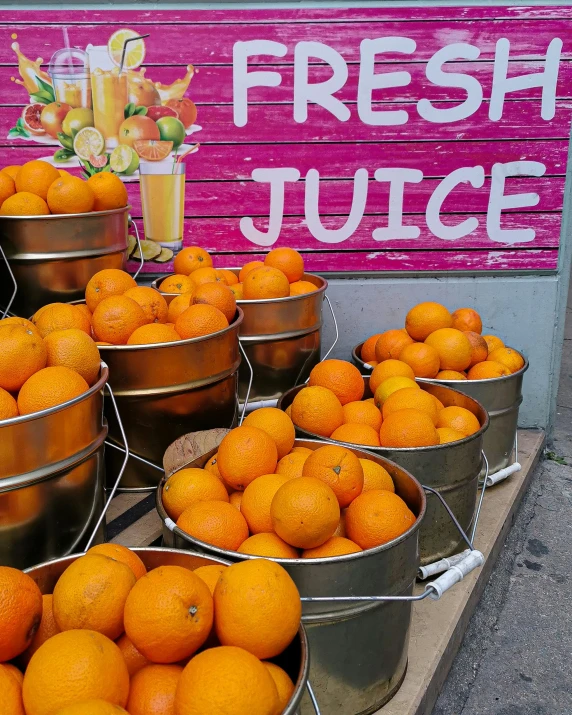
x=452 y=470
x=52 y=479
x=295 y=659
x=52 y=258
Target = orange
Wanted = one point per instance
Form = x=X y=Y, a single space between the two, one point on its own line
x=235 y=499
x=190 y=259
x=257 y=607
x=276 y=424
x=467 y=319
x=245 y=270
x=287 y=260
x=390 y=344
x=479 y=346
x=18 y=321
x=16 y=673
x=73 y=667
x=226 y=680
x=291 y=465
x=7 y=187
x=302 y=288
x=188 y=486
x=215 y=522
x=47 y=628
x=408 y=428
x=177 y=283
x=389 y=368
x=493 y=342
x=302 y=450
x=362 y=413
x=91 y=593
x=22 y=353
x=316 y=409
x=411 y=398
x=460 y=419
x=356 y=434
x=244 y=454
x=116 y=318
x=151 y=301
x=268 y=544
x=367 y=353
x=339 y=468
x=453 y=347
x=508 y=357
x=8 y=406
x=341 y=527
x=134 y=660
x=373 y=363
x=60 y=316
x=210 y=574
x=283 y=683
x=11 y=690
x=24 y=203
x=74 y=349
x=375 y=476
x=200 y=320
x=238 y=291
x=206 y=275
x=424 y=318
x=152 y=690
x=339 y=376
x=212 y=466
x=110 y=192
x=50 y=387
x=218 y=295
x=11 y=170
x=487 y=370
x=123 y=555
x=92 y=707
x=335 y=546
x=305 y=512
x=230 y=278
x=422 y=359
x=106 y=283
x=257 y=499
x=391 y=385
x=70 y=196
x=36 y=177
x=265 y=283
x=376 y=517
x=168 y=614
x=447 y=434
x=178 y=305
x=450 y=375
x=153 y=333
x=20 y=612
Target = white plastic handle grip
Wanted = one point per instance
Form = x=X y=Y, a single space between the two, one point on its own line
x=455 y=574
x=502 y=474
x=441 y=565
x=170 y=524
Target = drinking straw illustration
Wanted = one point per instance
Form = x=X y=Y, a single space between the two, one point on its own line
x=124 y=51
x=68 y=48
x=178 y=159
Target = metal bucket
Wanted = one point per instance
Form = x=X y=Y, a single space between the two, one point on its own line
x=500 y=396
x=359 y=651
x=52 y=479
x=166 y=390
x=53 y=257
x=451 y=469
x=282 y=339
x=295 y=659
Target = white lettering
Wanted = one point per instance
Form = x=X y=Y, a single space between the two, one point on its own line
x=475 y=175
x=320 y=93
x=311 y=201
x=243 y=80
x=397 y=179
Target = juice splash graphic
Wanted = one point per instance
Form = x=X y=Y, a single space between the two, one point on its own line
x=30 y=71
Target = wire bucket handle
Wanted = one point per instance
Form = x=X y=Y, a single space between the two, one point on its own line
x=5 y=313
x=329 y=302
x=131 y=222
x=313 y=698
x=250 y=380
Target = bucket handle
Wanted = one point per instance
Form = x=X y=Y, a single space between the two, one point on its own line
x=5 y=313
x=141 y=259
x=250 y=379
x=313 y=698
x=503 y=474
x=328 y=301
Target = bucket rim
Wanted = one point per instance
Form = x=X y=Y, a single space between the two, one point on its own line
x=96 y=387
x=51 y=217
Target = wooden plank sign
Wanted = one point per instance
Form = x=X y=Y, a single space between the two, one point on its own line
x=374 y=139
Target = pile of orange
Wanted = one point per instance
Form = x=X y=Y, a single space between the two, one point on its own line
x=113 y=638
x=442 y=345
x=38 y=189
x=400 y=414
x=263 y=496
x=280 y=276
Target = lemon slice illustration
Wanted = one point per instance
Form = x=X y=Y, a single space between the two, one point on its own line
x=124 y=160
x=88 y=142
x=135 y=50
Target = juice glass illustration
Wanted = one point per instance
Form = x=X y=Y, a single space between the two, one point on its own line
x=69 y=73
x=109 y=94
x=163 y=202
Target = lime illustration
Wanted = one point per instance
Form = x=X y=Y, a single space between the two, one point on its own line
x=171 y=129
x=124 y=160
x=77 y=119
x=88 y=141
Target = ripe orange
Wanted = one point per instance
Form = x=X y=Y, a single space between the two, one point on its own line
x=177 y=283
x=287 y=260
x=91 y=594
x=265 y=283
x=276 y=424
x=447 y=434
x=268 y=544
x=391 y=385
x=8 y=406
x=316 y=409
x=460 y=419
x=367 y=353
x=153 y=333
x=207 y=275
x=245 y=270
x=235 y=499
x=453 y=347
x=411 y=398
x=151 y=301
x=291 y=465
x=424 y=318
x=389 y=368
x=190 y=259
x=339 y=468
x=356 y=434
x=257 y=607
x=200 y=320
x=450 y=375
x=188 y=486
x=479 y=346
x=335 y=546
x=339 y=376
x=73 y=667
x=11 y=170
x=20 y=612
x=238 y=291
x=50 y=387
x=178 y=305
x=467 y=319
x=508 y=357
x=375 y=476
x=493 y=342
x=218 y=295
x=302 y=288
x=74 y=349
x=168 y=614
x=390 y=344
x=110 y=192
x=123 y=555
x=116 y=318
x=60 y=316
x=134 y=660
x=14 y=320
x=215 y=522
x=212 y=466
x=305 y=512
x=423 y=359
x=106 y=283
x=408 y=428
x=70 y=195
x=376 y=517
x=11 y=693
x=7 y=187
x=152 y=690
x=362 y=413
x=230 y=278
x=226 y=680
x=283 y=684
x=210 y=574
x=487 y=370
x=244 y=454
x=24 y=203
x=22 y=353
x=257 y=499
x=302 y=450
x=36 y=177
x=92 y=707
x=341 y=527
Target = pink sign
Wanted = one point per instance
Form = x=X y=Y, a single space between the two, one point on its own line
x=379 y=139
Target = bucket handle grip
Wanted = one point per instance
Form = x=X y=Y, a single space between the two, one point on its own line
x=5 y=313
x=503 y=474
x=141 y=258
x=250 y=379
x=328 y=301
x=313 y=698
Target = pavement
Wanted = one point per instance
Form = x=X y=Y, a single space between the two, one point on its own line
x=516 y=655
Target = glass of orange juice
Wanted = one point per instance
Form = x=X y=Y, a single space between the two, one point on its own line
x=109 y=94
x=70 y=76
x=163 y=202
